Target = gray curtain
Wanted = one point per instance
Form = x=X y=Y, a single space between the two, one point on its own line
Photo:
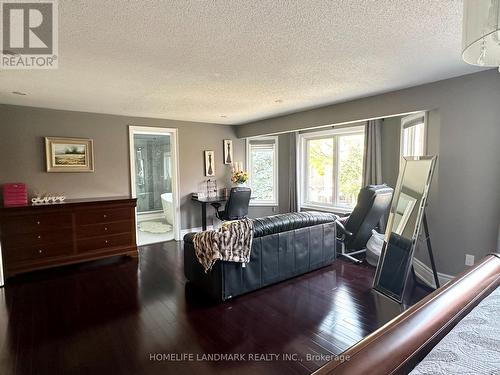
x=372 y=161
x=292 y=173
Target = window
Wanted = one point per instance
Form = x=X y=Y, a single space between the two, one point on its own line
x=331 y=168
x=262 y=162
x=413 y=135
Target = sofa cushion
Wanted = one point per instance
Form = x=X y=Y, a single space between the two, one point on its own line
x=265 y=226
x=284 y=222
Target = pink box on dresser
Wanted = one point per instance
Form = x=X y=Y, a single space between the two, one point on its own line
x=15 y=194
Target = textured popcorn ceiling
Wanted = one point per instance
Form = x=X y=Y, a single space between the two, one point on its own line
x=236 y=61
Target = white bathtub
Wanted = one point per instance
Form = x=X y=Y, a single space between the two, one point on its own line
x=168 y=207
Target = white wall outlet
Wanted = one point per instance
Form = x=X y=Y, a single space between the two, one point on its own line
x=469 y=260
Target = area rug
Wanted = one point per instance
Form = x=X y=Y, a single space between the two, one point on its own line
x=154 y=227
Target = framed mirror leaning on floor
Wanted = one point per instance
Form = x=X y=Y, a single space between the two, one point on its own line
x=403 y=227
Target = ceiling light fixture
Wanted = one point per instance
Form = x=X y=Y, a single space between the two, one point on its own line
x=223 y=116
x=278 y=101
x=481 y=33
x=19 y=93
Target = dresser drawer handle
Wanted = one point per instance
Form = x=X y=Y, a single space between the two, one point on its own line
x=38 y=222
x=38 y=236
x=105 y=228
x=105 y=216
x=40 y=251
x=106 y=241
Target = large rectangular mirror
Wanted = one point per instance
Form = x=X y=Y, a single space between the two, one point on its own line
x=403 y=226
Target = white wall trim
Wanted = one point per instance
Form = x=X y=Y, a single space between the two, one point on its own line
x=339 y=210
x=175 y=166
x=425 y=274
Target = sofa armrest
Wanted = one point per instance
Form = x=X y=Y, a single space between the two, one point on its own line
x=342 y=230
x=189 y=237
x=399 y=345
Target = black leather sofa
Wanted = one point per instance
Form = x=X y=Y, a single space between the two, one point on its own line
x=284 y=246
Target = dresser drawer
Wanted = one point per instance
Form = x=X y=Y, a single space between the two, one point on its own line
x=104 y=215
x=35 y=223
x=100 y=243
x=45 y=236
x=37 y=238
x=33 y=253
x=103 y=229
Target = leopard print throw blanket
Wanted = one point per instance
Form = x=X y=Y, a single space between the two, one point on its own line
x=231 y=243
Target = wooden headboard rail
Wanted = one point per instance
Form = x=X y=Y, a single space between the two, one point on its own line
x=400 y=344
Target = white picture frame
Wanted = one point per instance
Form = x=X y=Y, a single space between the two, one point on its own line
x=228 y=151
x=209 y=163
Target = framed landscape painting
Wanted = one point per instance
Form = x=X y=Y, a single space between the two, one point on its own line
x=69 y=154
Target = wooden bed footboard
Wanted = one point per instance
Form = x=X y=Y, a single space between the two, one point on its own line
x=400 y=344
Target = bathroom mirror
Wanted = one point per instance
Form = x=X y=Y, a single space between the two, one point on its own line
x=403 y=226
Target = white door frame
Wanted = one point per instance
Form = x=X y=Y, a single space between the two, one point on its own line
x=173 y=132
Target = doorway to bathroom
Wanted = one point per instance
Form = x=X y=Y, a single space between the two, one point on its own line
x=154 y=182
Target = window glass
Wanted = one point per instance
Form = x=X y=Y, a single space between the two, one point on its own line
x=332 y=168
x=262 y=170
x=350 y=172
x=413 y=135
x=320 y=170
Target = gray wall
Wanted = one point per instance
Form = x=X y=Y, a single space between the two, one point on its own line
x=391 y=133
x=464 y=204
x=22 y=157
x=390 y=142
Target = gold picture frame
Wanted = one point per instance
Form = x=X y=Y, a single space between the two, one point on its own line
x=69 y=154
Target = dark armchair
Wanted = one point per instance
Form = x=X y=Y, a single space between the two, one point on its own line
x=355 y=230
x=236 y=206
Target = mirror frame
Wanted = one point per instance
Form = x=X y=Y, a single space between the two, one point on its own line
x=416 y=231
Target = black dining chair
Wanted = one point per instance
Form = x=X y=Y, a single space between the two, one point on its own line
x=236 y=206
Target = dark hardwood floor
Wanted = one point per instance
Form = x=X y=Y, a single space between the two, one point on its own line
x=113 y=316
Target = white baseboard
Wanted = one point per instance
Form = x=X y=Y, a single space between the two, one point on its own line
x=197 y=229
x=425 y=274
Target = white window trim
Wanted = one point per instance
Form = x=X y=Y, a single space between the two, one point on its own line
x=275 y=201
x=333 y=209
x=407 y=119
x=301 y=167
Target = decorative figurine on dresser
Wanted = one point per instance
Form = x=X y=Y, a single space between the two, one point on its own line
x=36 y=236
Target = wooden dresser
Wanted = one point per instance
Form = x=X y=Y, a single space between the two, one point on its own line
x=43 y=236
